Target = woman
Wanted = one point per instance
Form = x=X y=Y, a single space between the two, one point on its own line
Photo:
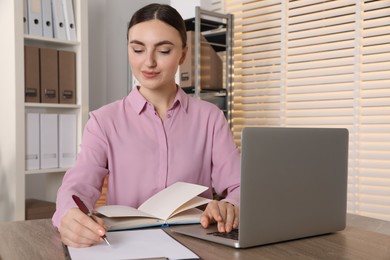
x=152 y=138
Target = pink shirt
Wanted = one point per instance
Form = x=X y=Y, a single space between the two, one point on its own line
x=141 y=154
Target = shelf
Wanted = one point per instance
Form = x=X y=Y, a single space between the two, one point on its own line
x=19 y=183
x=214 y=32
x=217 y=91
x=32 y=39
x=205 y=24
x=49 y=105
x=42 y=171
x=217 y=30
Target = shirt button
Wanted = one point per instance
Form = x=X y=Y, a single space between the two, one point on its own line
x=169 y=116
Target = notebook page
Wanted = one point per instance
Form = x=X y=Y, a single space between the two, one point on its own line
x=164 y=203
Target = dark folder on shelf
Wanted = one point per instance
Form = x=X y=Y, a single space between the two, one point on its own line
x=67 y=77
x=49 y=75
x=31 y=83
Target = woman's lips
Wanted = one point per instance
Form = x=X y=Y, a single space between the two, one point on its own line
x=149 y=74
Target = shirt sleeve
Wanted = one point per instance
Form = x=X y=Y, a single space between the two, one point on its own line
x=226 y=162
x=85 y=179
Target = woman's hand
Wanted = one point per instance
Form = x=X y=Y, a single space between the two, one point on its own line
x=225 y=214
x=79 y=230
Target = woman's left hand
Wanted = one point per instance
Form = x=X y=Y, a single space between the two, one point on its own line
x=225 y=214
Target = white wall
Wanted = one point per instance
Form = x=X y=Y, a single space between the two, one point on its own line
x=97 y=53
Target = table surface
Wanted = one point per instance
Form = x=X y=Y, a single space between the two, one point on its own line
x=364 y=238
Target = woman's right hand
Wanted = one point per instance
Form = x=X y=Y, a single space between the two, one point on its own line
x=79 y=230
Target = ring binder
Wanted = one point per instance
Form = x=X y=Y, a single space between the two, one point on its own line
x=70 y=28
x=47 y=19
x=58 y=20
x=35 y=17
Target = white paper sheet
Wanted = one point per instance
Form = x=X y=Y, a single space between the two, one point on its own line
x=135 y=244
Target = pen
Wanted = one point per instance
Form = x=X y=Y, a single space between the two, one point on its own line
x=86 y=211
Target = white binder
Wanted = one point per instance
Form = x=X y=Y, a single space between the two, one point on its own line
x=47 y=19
x=49 y=140
x=32 y=141
x=70 y=26
x=34 y=17
x=67 y=140
x=58 y=20
x=25 y=17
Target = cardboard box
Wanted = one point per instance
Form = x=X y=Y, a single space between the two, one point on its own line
x=211 y=72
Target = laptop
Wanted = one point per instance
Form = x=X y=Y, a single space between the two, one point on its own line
x=293 y=185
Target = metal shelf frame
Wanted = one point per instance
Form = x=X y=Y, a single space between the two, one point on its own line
x=216 y=30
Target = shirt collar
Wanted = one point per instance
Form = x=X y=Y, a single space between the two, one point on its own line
x=138 y=102
x=182 y=98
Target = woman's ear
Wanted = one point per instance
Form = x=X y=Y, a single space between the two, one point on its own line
x=183 y=55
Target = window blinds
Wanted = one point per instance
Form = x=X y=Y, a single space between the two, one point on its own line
x=320 y=64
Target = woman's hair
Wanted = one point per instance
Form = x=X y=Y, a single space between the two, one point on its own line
x=162 y=12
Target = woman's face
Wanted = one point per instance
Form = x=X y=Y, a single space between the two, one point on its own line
x=155 y=52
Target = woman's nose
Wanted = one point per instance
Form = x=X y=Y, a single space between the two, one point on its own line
x=150 y=60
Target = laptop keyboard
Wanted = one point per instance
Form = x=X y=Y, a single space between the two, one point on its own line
x=232 y=235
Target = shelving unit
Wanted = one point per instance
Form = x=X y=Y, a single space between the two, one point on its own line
x=217 y=29
x=17 y=184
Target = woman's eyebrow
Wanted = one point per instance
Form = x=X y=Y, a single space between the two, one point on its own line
x=136 y=42
x=156 y=44
x=163 y=43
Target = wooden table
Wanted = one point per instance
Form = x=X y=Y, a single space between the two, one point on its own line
x=364 y=238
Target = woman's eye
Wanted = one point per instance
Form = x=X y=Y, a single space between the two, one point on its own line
x=137 y=50
x=165 y=51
